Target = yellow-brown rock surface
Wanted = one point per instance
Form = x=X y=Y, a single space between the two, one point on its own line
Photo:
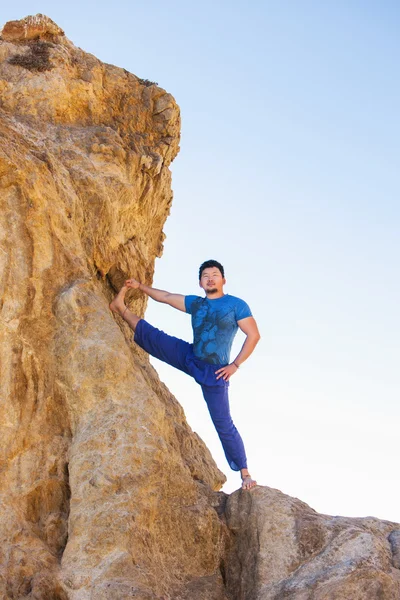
x=106 y=493
x=105 y=489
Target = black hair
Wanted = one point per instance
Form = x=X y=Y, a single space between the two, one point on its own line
x=211 y=263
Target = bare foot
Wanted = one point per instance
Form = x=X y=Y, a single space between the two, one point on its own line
x=248 y=483
x=118 y=304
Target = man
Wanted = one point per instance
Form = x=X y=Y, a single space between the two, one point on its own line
x=215 y=321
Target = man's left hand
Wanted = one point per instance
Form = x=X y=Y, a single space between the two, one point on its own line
x=226 y=372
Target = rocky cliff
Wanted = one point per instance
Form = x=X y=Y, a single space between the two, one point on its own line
x=106 y=493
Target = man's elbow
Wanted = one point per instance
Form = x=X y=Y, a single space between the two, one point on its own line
x=255 y=338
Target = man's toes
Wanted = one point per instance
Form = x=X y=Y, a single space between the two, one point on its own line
x=248 y=483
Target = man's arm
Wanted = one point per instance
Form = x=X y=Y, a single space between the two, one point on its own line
x=174 y=300
x=249 y=327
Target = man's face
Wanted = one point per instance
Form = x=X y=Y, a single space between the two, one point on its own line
x=212 y=281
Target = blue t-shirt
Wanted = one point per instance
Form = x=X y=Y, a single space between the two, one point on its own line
x=215 y=325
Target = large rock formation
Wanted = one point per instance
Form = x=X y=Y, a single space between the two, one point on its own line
x=285 y=550
x=100 y=474
x=106 y=493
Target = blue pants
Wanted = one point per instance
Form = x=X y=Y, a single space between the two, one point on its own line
x=179 y=354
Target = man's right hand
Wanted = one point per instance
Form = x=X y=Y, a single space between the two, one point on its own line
x=132 y=283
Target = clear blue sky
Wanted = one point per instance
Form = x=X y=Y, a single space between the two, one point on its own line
x=289 y=175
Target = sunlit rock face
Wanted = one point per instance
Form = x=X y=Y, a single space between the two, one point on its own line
x=106 y=493
x=105 y=490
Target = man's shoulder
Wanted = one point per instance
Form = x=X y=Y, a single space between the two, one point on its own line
x=242 y=309
x=191 y=302
x=235 y=299
x=192 y=298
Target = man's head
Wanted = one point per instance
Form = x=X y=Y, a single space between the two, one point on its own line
x=211 y=277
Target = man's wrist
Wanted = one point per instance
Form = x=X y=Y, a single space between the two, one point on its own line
x=235 y=363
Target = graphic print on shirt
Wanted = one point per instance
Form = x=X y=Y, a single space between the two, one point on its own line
x=213 y=330
x=215 y=325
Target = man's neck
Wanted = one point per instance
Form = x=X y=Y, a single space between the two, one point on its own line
x=215 y=296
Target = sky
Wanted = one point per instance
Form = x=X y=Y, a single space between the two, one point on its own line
x=288 y=174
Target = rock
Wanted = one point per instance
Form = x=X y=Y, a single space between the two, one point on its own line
x=284 y=549
x=100 y=473
x=31 y=28
x=394 y=539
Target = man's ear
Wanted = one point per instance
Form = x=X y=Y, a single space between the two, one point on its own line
x=223 y=281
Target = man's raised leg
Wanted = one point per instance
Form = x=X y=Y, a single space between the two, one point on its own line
x=155 y=342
